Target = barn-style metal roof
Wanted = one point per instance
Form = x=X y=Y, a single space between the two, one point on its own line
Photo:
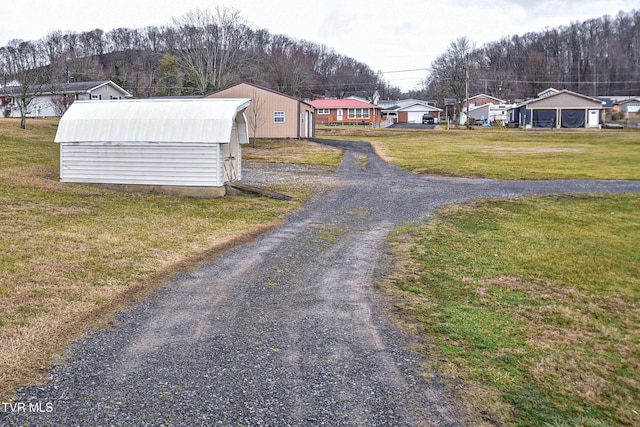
x=154 y=120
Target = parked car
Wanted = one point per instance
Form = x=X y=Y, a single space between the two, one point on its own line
x=427 y=119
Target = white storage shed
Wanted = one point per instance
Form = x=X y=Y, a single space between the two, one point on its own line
x=172 y=146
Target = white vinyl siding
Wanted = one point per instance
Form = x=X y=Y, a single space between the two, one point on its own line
x=141 y=163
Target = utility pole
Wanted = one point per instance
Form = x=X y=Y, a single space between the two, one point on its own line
x=467 y=87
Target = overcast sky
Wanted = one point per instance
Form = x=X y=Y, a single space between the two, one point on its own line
x=389 y=36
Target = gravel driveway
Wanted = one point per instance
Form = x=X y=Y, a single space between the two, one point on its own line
x=284 y=331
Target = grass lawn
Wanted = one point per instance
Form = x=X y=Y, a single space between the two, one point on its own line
x=292 y=151
x=506 y=153
x=530 y=307
x=71 y=255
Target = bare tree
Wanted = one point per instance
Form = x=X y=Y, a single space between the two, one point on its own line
x=255 y=114
x=27 y=64
x=448 y=71
x=210 y=46
x=61 y=103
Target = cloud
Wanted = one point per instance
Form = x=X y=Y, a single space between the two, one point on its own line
x=387 y=36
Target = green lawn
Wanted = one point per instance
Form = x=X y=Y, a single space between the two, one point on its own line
x=530 y=307
x=507 y=153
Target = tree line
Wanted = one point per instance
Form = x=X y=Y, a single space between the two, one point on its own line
x=206 y=50
x=201 y=51
x=597 y=57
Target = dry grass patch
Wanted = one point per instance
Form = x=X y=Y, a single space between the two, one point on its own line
x=293 y=151
x=72 y=255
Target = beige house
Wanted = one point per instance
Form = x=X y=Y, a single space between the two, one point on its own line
x=558 y=109
x=272 y=114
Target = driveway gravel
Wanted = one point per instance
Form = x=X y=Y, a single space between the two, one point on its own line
x=287 y=330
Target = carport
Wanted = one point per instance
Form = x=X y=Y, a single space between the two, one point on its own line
x=562 y=109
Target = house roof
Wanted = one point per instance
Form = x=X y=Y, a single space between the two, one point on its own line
x=63 y=88
x=547 y=92
x=608 y=101
x=630 y=101
x=258 y=87
x=152 y=120
x=341 y=103
x=408 y=103
x=74 y=87
x=388 y=103
x=611 y=101
x=482 y=95
x=553 y=93
x=492 y=107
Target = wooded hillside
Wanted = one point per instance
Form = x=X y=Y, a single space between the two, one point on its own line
x=207 y=50
x=596 y=57
x=200 y=52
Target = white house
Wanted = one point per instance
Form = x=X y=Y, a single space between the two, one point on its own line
x=52 y=100
x=631 y=105
x=173 y=146
x=408 y=110
x=481 y=99
x=490 y=113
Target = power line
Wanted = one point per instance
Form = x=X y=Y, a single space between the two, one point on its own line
x=581 y=82
x=405 y=71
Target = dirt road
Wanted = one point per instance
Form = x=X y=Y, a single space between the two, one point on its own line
x=287 y=330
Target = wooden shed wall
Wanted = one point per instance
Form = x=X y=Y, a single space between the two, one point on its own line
x=268 y=102
x=170 y=164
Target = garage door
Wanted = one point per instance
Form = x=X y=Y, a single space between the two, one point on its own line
x=415 y=116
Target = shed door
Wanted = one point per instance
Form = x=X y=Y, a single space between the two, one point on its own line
x=594 y=118
x=231 y=157
x=230 y=169
x=305 y=125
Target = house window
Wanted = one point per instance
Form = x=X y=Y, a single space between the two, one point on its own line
x=278 y=117
x=98 y=97
x=358 y=113
x=323 y=111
